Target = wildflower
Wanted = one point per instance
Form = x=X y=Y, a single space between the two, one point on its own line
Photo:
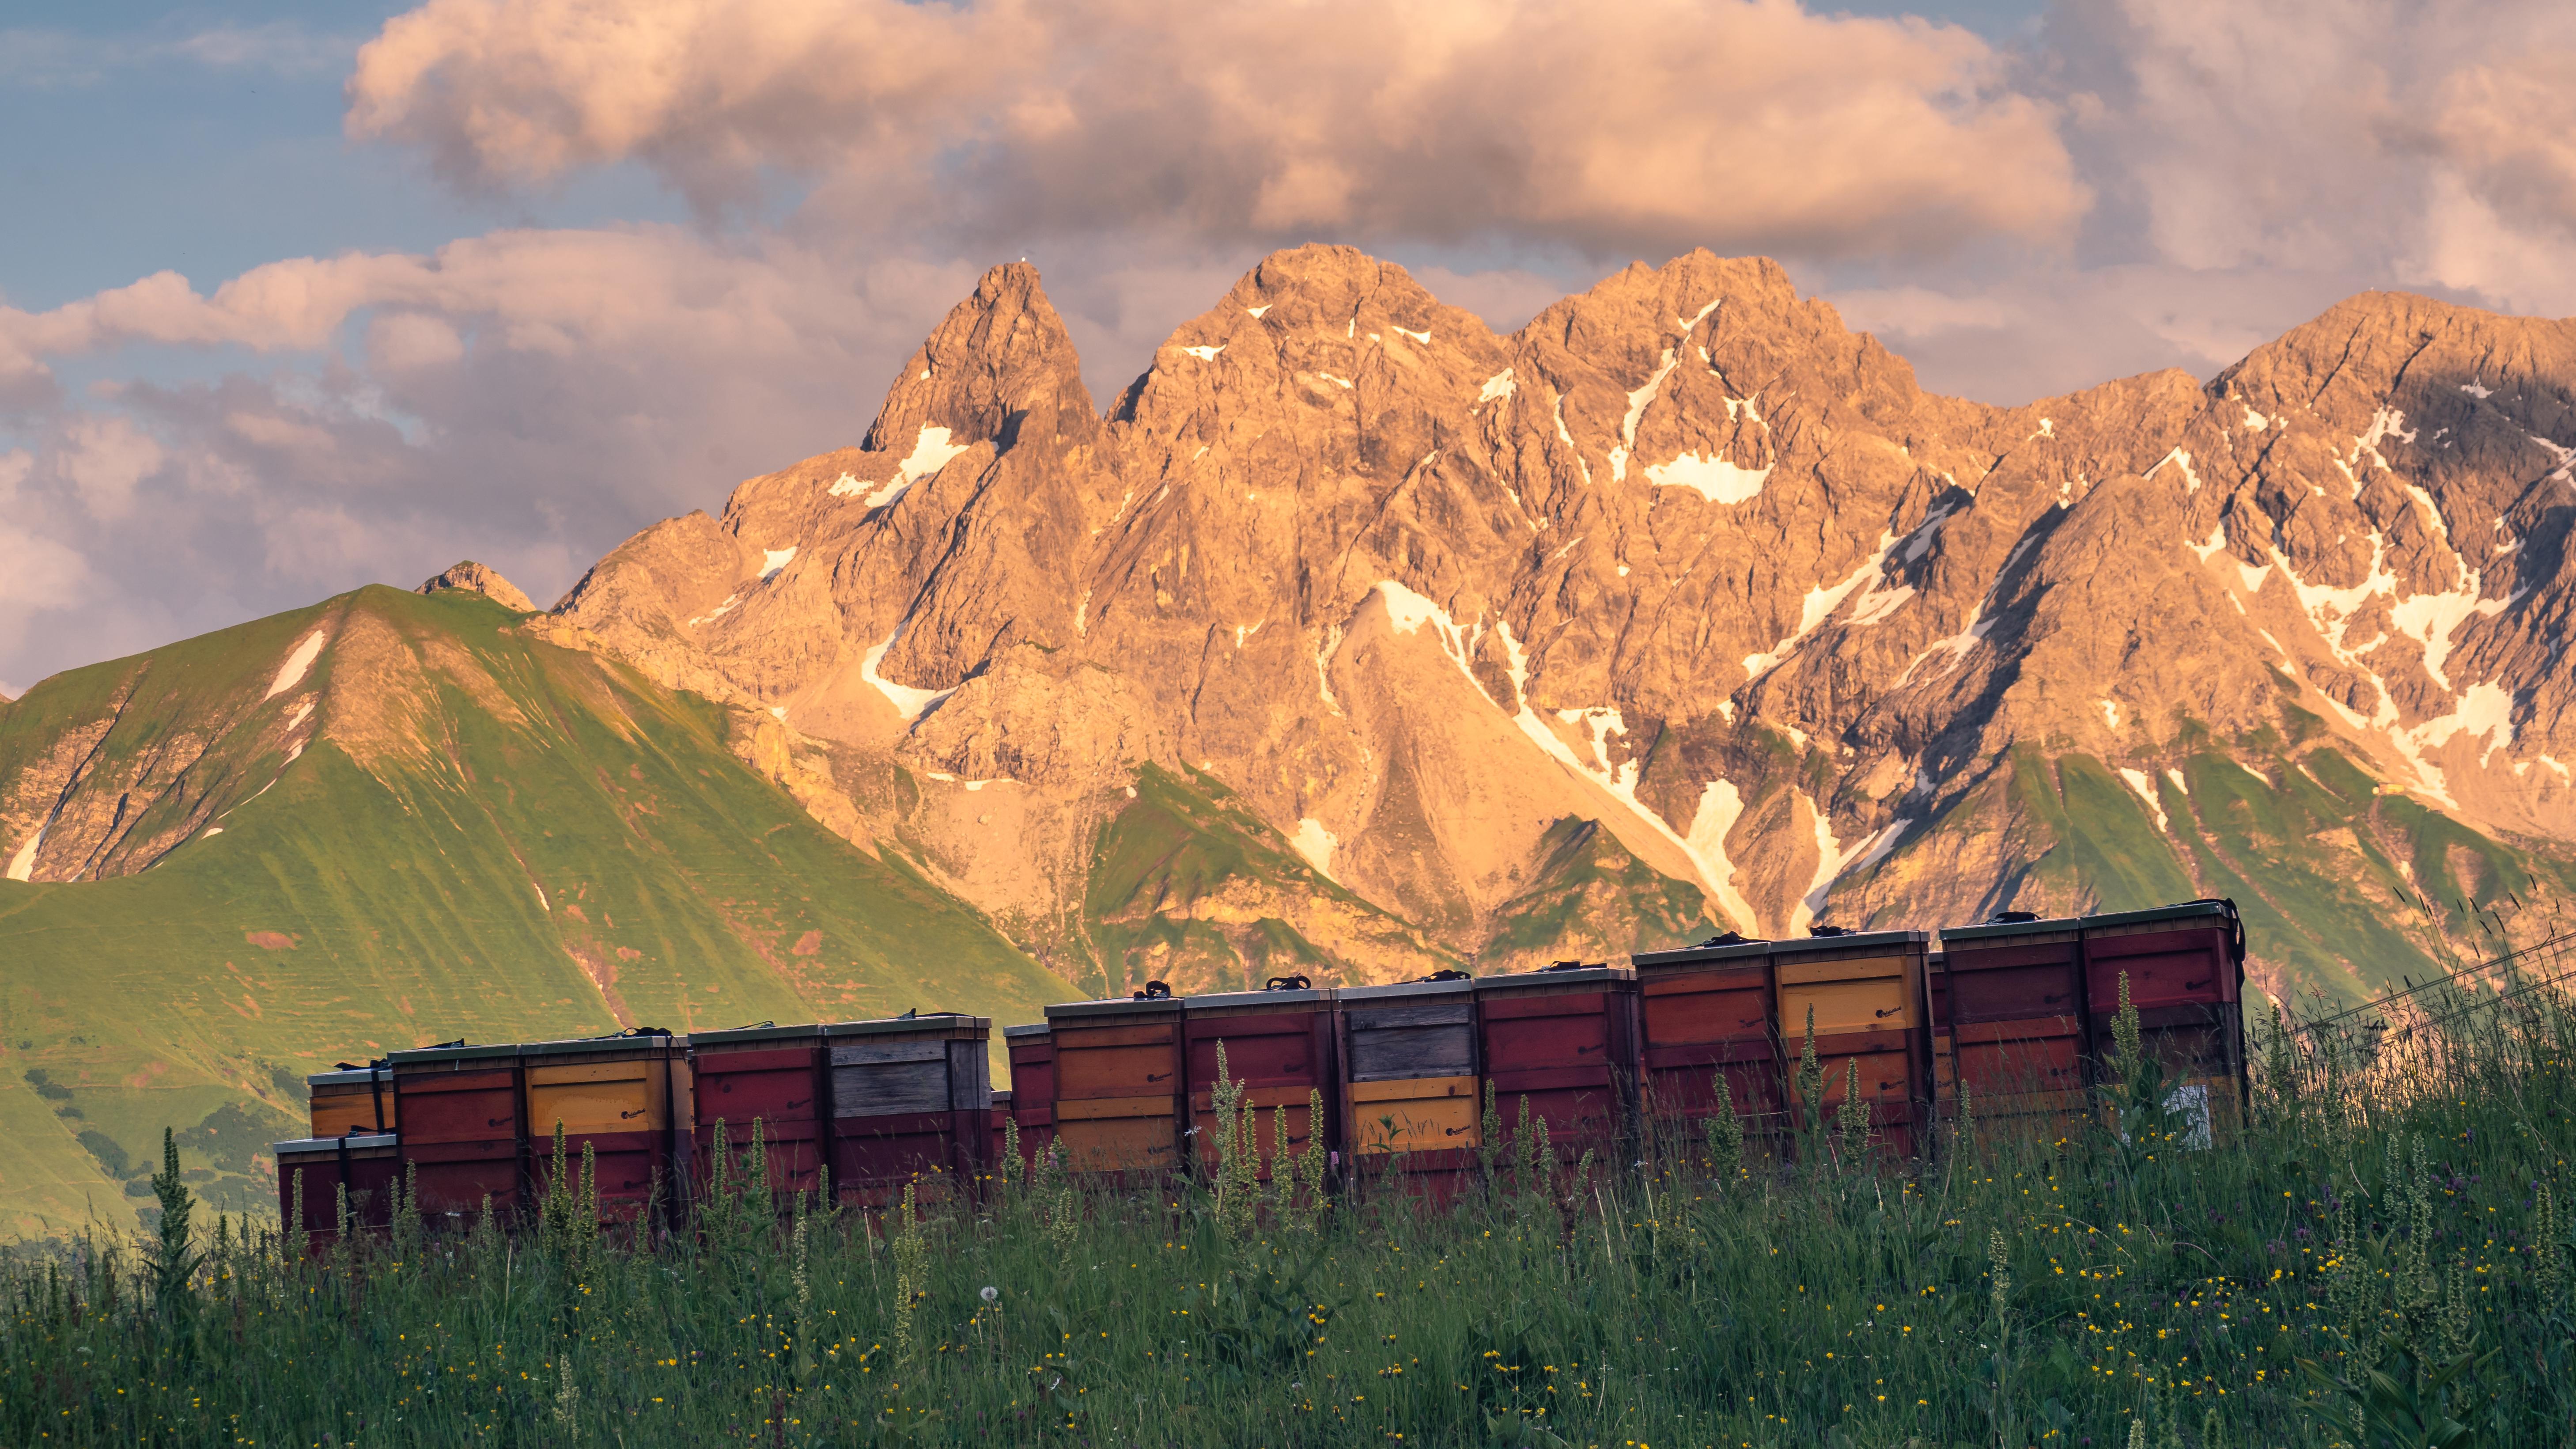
x=990 y=1293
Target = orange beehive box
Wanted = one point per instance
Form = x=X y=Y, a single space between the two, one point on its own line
x=1279 y=1044
x=1119 y=1082
x=1866 y=996
x=1412 y=1100
x=351 y=1099
x=619 y=1098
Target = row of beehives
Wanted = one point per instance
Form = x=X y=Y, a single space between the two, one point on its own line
x=2019 y=1011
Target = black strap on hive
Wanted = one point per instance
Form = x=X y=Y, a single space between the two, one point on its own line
x=2235 y=924
x=1730 y=938
x=1445 y=974
x=1829 y=930
x=2011 y=918
x=1154 y=991
x=755 y=1026
x=1288 y=983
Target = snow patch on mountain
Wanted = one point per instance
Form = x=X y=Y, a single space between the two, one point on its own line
x=291 y=673
x=1316 y=844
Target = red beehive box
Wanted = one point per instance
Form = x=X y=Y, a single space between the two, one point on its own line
x=1032 y=1053
x=1702 y=1011
x=463 y=1126
x=1279 y=1043
x=311 y=1170
x=1411 y=1110
x=2186 y=970
x=619 y=1099
x=997 y=1136
x=1118 y=1083
x=1873 y=1025
x=774 y=1076
x=1565 y=1039
x=910 y=1100
x=2016 y=992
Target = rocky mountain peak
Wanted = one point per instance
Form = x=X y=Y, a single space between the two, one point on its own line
x=482 y=580
x=1684 y=581
x=1000 y=359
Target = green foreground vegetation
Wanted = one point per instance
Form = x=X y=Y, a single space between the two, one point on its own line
x=2381 y=1258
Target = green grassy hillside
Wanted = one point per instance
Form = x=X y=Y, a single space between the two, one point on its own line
x=1190 y=886
x=2346 y=889
x=489 y=837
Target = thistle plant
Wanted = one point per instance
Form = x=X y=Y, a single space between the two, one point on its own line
x=1811 y=1078
x=801 y=1278
x=1725 y=1133
x=1051 y=1189
x=1851 y=1119
x=173 y=1262
x=1489 y=1150
x=2549 y=1267
x=1237 y=1151
x=1315 y=1159
x=911 y=1276
x=567 y=1402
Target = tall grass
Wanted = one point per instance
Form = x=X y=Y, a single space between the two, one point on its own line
x=2383 y=1249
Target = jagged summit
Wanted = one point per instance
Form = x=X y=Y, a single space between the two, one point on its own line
x=1684 y=556
x=485 y=581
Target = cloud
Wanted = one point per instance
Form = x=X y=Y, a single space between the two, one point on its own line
x=1653 y=125
x=525 y=397
x=104 y=458
x=55 y=58
x=2385 y=141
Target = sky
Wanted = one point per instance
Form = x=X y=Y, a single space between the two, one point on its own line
x=296 y=297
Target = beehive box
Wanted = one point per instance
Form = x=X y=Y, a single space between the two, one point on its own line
x=619 y=1099
x=1279 y=1044
x=1705 y=1011
x=1118 y=1084
x=1565 y=1041
x=997 y=1133
x=2017 y=1010
x=1872 y=1021
x=463 y=1129
x=772 y=1076
x=352 y=1099
x=911 y=1100
x=1412 y=1105
x=2186 y=968
x=1032 y=1053
x=311 y=1171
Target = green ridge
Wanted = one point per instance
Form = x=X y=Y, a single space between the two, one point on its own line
x=1158 y=902
x=399 y=898
x=1593 y=897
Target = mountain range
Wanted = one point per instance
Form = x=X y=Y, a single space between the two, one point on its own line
x=1353 y=639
